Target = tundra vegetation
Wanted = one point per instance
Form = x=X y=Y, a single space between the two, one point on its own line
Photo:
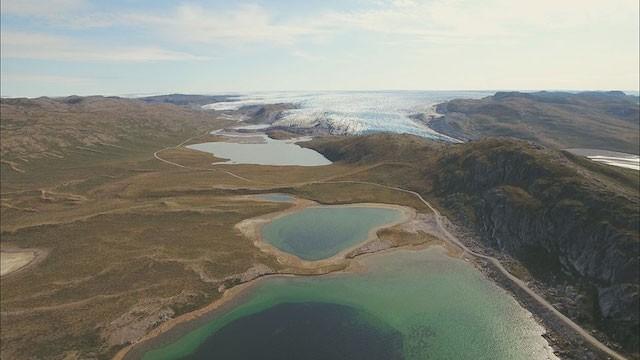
x=132 y=241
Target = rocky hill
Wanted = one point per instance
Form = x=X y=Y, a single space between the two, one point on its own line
x=597 y=120
x=568 y=225
x=572 y=223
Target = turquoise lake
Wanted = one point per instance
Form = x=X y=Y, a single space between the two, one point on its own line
x=320 y=232
x=403 y=305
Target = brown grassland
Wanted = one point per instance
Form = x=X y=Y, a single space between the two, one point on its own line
x=138 y=229
x=131 y=240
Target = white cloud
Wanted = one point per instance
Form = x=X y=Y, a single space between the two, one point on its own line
x=40 y=8
x=485 y=43
x=242 y=25
x=44 y=78
x=72 y=14
x=487 y=20
x=19 y=45
x=407 y=22
x=306 y=56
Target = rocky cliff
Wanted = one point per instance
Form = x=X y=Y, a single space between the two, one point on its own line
x=574 y=229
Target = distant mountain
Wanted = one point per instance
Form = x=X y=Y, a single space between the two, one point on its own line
x=56 y=127
x=572 y=223
x=597 y=120
x=194 y=101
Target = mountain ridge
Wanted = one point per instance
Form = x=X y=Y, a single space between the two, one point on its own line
x=599 y=120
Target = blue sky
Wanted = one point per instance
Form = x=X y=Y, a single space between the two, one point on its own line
x=62 y=47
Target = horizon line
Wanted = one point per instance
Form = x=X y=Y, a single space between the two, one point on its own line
x=635 y=92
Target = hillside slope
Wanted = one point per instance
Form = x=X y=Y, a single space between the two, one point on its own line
x=192 y=101
x=113 y=261
x=54 y=127
x=597 y=120
x=573 y=224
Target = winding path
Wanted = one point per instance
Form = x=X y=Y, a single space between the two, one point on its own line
x=453 y=239
x=157 y=156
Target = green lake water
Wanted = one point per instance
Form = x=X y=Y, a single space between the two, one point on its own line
x=404 y=304
x=320 y=232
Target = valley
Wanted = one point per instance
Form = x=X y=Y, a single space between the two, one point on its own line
x=159 y=222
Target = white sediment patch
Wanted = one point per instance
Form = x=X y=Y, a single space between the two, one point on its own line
x=252 y=127
x=623 y=162
x=613 y=158
x=14 y=260
x=233 y=104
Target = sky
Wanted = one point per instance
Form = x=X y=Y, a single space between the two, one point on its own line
x=120 y=47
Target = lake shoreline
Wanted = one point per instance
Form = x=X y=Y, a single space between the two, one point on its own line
x=341 y=263
x=231 y=297
x=252 y=228
x=337 y=264
x=258 y=148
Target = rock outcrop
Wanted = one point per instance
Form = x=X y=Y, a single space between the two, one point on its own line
x=568 y=229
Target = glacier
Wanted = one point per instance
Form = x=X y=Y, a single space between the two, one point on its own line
x=353 y=112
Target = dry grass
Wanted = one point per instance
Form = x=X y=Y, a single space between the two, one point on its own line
x=175 y=251
x=346 y=193
x=399 y=237
x=133 y=241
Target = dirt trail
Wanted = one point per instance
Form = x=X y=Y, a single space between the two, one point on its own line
x=157 y=156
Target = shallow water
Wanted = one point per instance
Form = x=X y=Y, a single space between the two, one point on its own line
x=320 y=232
x=271 y=152
x=440 y=307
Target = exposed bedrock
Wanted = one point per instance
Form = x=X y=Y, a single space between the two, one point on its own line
x=569 y=232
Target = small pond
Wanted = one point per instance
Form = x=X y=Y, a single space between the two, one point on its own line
x=320 y=232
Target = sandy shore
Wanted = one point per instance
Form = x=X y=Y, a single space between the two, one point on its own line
x=252 y=228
